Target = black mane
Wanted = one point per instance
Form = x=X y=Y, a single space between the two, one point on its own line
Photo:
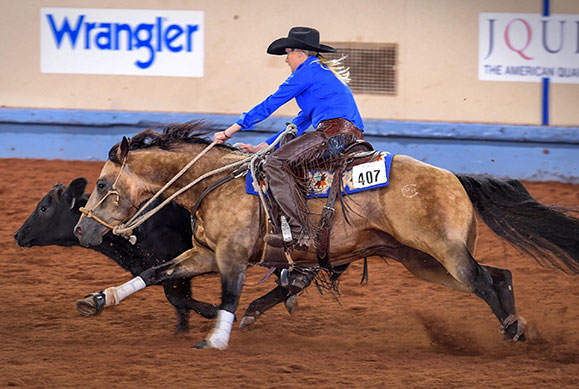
x=172 y=134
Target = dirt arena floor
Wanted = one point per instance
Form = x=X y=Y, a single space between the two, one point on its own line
x=395 y=332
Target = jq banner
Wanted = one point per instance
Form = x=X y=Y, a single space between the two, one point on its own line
x=528 y=47
x=122 y=41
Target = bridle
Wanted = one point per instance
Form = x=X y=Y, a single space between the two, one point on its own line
x=89 y=213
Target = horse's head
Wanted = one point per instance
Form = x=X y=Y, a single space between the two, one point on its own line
x=114 y=199
x=53 y=220
x=129 y=179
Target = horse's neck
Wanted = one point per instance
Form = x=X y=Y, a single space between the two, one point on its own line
x=215 y=210
x=172 y=163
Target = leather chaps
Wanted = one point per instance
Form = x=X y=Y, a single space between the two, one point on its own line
x=285 y=168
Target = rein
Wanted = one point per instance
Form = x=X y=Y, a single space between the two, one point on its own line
x=126 y=229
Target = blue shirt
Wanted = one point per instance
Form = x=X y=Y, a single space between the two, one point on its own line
x=319 y=94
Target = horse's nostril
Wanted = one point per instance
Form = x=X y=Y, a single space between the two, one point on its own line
x=78 y=231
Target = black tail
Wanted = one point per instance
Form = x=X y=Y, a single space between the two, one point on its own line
x=544 y=232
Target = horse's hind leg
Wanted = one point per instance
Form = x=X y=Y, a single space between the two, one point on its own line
x=514 y=326
x=287 y=290
x=262 y=304
x=503 y=285
x=296 y=282
x=427 y=268
x=461 y=265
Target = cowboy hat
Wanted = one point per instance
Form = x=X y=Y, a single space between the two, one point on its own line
x=304 y=38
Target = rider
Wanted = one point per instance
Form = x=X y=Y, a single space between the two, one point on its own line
x=326 y=103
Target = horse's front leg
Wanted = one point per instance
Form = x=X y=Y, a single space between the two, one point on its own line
x=232 y=270
x=178 y=293
x=190 y=263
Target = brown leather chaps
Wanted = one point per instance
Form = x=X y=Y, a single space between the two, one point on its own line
x=285 y=167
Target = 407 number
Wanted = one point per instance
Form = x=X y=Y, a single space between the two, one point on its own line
x=368 y=177
x=369 y=174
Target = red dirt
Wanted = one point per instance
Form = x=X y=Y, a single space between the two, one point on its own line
x=395 y=332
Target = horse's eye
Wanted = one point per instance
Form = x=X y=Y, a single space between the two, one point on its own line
x=101 y=185
x=43 y=209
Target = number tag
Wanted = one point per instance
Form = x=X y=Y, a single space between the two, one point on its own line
x=369 y=174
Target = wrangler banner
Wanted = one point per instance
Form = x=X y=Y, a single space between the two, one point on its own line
x=121 y=41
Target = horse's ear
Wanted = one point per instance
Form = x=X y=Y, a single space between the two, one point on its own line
x=74 y=191
x=123 y=149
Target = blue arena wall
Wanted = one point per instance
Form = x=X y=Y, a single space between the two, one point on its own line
x=534 y=153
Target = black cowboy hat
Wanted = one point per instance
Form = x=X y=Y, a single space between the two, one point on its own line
x=304 y=38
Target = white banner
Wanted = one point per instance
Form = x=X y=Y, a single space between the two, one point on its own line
x=528 y=47
x=122 y=41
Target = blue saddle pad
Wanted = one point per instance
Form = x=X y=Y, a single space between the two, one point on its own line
x=370 y=175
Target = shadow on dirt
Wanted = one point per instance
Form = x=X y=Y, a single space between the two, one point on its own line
x=447 y=339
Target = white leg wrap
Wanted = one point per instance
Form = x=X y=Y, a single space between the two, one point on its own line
x=110 y=296
x=219 y=336
x=126 y=289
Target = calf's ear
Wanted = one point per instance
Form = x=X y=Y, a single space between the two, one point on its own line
x=74 y=191
x=57 y=191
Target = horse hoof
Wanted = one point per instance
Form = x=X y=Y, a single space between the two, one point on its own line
x=515 y=337
x=515 y=331
x=247 y=323
x=202 y=344
x=181 y=329
x=92 y=304
x=521 y=338
x=291 y=304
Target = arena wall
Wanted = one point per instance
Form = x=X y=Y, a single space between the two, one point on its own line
x=440 y=109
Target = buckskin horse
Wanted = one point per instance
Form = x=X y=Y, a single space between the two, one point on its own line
x=425 y=218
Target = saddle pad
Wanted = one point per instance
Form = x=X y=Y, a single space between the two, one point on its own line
x=366 y=176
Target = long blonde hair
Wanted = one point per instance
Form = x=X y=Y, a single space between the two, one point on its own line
x=336 y=66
